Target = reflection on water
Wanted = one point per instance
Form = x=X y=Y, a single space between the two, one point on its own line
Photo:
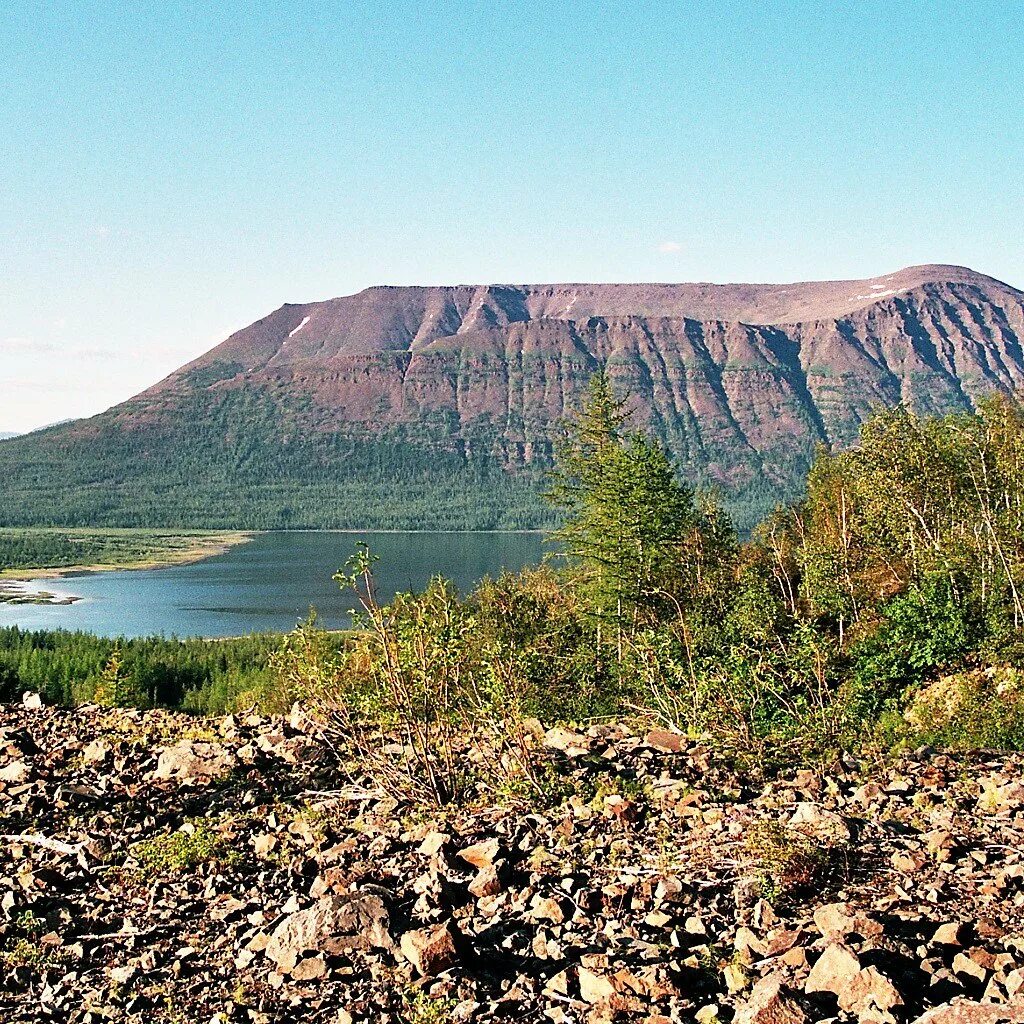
x=268 y=584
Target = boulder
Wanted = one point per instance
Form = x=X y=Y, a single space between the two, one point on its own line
x=333 y=924
x=817 y=822
x=193 y=761
x=668 y=742
x=768 y=1004
x=965 y=1011
x=834 y=970
x=480 y=855
x=837 y=920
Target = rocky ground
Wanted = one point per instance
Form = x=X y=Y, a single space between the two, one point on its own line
x=163 y=868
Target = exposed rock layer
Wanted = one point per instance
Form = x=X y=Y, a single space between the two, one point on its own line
x=316 y=412
x=738 y=379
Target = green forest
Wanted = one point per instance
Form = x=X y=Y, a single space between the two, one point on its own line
x=885 y=607
x=238 y=460
x=207 y=676
x=246 y=460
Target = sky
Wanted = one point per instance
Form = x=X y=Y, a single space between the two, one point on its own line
x=171 y=172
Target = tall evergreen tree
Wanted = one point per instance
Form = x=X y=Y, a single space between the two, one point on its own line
x=629 y=523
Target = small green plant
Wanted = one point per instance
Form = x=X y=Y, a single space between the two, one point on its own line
x=789 y=863
x=421 y=1008
x=30 y=923
x=194 y=844
x=27 y=953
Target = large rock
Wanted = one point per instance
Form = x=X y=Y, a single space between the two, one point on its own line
x=837 y=920
x=864 y=991
x=967 y=1012
x=818 y=823
x=334 y=924
x=193 y=761
x=480 y=855
x=768 y=1004
x=430 y=950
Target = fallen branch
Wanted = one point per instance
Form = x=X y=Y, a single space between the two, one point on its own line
x=46 y=843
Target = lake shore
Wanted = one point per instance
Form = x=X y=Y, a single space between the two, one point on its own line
x=266 y=585
x=159 y=549
x=19 y=592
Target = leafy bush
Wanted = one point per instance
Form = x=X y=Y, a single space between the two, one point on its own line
x=194 y=844
x=977 y=710
x=411 y=694
x=790 y=864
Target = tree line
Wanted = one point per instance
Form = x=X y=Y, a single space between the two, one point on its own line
x=885 y=606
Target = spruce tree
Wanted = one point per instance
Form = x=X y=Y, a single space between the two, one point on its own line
x=628 y=519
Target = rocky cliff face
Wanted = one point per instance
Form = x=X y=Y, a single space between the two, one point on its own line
x=742 y=382
x=737 y=379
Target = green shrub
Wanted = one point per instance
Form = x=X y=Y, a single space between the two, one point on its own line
x=194 y=844
x=790 y=864
x=978 y=710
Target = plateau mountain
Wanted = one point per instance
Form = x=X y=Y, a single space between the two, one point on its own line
x=405 y=407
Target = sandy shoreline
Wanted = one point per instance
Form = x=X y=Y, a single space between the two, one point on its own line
x=12 y=581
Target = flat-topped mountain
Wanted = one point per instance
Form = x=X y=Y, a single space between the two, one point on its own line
x=438 y=406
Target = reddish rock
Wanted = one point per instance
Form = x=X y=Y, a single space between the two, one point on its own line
x=486 y=883
x=964 y=1011
x=769 y=1004
x=669 y=742
x=837 y=920
x=480 y=855
x=430 y=950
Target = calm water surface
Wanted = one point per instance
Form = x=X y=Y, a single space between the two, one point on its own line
x=268 y=584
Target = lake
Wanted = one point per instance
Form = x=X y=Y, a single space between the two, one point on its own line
x=267 y=584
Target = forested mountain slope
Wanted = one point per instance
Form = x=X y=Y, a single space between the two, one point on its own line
x=438 y=406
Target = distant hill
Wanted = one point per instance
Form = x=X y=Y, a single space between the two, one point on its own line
x=437 y=406
x=4 y=435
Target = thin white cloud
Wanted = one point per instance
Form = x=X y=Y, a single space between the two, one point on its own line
x=669 y=247
x=32 y=346
x=17 y=344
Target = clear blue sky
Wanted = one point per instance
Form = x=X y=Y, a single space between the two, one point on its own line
x=173 y=171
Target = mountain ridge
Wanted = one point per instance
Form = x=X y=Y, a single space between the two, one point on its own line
x=469 y=384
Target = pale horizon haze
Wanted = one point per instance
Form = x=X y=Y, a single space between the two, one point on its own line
x=171 y=173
